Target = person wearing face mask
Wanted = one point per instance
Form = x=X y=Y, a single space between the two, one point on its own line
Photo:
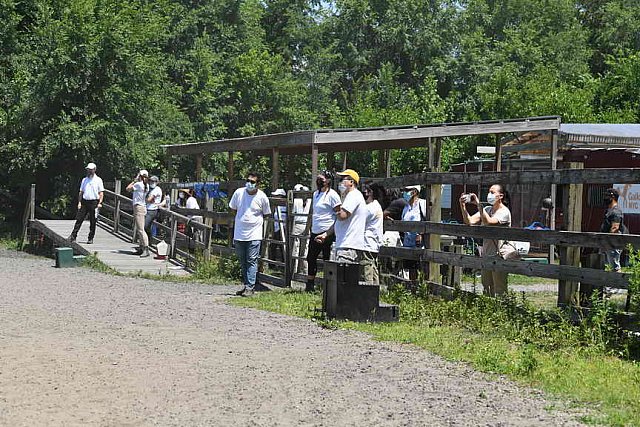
x=250 y=205
x=415 y=210
x=612 y=223
x=374 y=195
x=324 y=204
x=154 y=201
x=89 y=199
x=183 y=195
x=496 y=214
x=350 y=219
x=140 y=188
x=300 y=214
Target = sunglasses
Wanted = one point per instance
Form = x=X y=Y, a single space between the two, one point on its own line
x=252 y=181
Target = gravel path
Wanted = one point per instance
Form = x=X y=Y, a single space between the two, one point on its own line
x=83 y=348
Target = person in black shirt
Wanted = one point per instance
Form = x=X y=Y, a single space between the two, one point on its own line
x=612 y=223
x=395 y=208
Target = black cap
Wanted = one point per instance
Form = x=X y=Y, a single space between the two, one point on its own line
x=613 y=193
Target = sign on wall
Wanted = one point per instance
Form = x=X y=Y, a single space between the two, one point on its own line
x=629 y=200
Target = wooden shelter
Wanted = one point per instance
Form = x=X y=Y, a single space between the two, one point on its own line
x=363 y=139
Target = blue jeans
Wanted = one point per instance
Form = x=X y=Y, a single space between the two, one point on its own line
x=613 y=258
x=248 y=254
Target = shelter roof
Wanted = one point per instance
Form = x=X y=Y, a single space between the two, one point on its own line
x=363 y=139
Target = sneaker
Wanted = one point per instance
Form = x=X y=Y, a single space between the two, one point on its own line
x=241 y=291
x=138 y=251
x=248 y=293
x=145 y=253
x=90 y=242
x=71 y=238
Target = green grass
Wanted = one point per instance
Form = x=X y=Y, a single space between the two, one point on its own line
x=515 y=279
x=572 y=363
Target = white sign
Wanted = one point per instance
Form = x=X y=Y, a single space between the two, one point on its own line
x=629 y=200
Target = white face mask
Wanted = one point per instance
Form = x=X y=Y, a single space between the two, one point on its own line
x=342 y=188
x=491 y=198
x=152 y=185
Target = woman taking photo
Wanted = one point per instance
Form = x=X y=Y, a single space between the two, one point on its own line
x=140 y=187
x=496 y=214
x=324 y=203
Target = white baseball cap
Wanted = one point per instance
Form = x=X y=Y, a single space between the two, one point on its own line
x=413 y=187
x=300 y=187
x=143 y=172
x=91 y=166
x=279 y=192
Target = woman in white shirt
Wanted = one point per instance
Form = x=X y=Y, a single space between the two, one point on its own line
x=416 y=210
x=324 y=203
x=154 y=202
x=374 y=195
x=496 y=214
x=140 y=187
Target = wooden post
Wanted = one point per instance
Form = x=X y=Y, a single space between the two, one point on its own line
x=275 y=179
x=344 y=160
x=314 y=163
x=572 y=208
x=174 y=191
x=198 y=166
x=498 y=155
x=552 y=211
x=388 y=175
x=116 y=214
x=435 y=207
x=382 y=162
x=230 y=172
x=174 y=232
x=32 y=203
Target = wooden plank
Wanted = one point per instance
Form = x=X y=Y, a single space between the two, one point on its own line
x=568 y=289
x=434 y=208
x=611 y=279
x=561 y=238
x=435 y=131
x=514 y=177
x=275 y=168
x=552 y=211
x=314 y=164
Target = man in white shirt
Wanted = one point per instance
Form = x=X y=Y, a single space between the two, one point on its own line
x=89 y=199
x=250 y=206
x=350 y=219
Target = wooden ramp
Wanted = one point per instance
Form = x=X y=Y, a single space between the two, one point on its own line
x=115 y=252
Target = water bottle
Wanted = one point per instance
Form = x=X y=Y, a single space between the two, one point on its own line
x=167 y=201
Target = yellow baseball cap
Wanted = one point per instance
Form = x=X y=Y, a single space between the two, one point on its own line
x=350 y=173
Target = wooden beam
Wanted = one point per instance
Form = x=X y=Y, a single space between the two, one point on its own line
x=568 y=289
x=561 y=238
x=434 y=208
x=230 y=165
x=275 y=162
x=515 y=177
x=314 y=165
x=532 y=269
x=199 y=166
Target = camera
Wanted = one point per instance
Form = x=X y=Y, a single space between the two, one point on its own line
x=466 y=198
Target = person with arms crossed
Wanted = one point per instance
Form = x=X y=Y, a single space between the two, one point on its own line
x=89 y=199
x=325 y=202
x=250 y=206
x=350 y=219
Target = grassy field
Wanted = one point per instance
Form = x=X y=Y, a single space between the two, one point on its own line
x=536 y=348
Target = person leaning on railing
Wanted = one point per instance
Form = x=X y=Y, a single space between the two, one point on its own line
x=496 y=214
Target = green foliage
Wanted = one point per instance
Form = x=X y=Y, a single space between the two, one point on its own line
x=634 y=279
x=218 y=270
x=111 y=81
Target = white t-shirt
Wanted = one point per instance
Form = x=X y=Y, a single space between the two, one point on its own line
x=139 y=193
x=373 y=228
x=157 y=199
x=301 y=207
x=251 y=209
x=192 y=203
x=280 y=218
x=350 y=231
x=91 y=187
x=412 y=213
x=323 y=214
x=503 y=215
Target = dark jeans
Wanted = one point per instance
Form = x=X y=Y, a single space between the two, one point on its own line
x=148 y=220
x=314 y=250
x=87 y=207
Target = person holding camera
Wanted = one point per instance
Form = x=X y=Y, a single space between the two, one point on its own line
x=415 y=210
x=496 y=214
x=140 y=188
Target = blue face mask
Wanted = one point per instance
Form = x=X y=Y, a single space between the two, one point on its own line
x=406 y=196
x=251 y=185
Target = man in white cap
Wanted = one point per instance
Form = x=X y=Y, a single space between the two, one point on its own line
x=300 y=216
x=89 y=199
x=140 y=188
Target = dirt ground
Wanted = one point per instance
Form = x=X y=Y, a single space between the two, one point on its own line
x=83 y=348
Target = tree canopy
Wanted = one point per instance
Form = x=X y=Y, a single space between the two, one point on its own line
x=110 y=80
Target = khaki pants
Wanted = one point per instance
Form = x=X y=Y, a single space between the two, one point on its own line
x=349 y=255
x=494 y=282
x=370 y=267
x=139 y=213
x=299 y=265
